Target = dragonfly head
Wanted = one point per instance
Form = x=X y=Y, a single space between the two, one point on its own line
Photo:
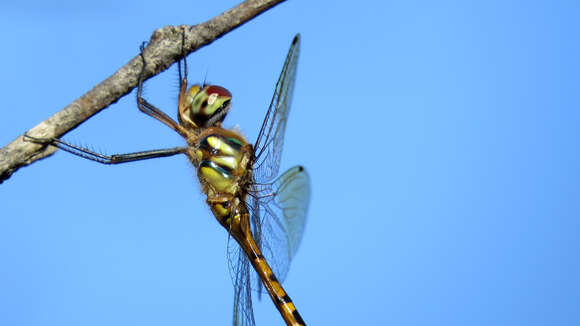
x=204 y=106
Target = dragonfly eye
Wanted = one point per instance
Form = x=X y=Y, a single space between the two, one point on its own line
x=207 y=106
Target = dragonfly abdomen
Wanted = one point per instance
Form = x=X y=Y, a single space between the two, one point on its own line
x=279 y=296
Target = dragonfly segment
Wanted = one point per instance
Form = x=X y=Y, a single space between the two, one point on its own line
x=265 y=217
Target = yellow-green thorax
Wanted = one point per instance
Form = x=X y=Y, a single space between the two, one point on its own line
x=223 y=159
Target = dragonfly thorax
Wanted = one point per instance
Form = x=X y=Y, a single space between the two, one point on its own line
x=224 y=170
x=223 y=157
x=202 y=107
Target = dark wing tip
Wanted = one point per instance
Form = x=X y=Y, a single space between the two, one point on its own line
x=296 y=39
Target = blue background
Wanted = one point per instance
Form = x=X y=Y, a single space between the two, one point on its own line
x=441 y=138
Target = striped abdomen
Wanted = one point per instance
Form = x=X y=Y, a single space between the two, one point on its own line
x=271 y=283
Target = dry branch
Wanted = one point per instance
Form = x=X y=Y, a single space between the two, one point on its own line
x=163 y=49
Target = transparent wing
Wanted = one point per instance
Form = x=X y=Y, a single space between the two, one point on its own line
x=292 y=197
x=278 y=218
x=240 y=269
x=268 y=147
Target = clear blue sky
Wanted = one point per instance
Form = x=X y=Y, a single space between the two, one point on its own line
x=442 y=141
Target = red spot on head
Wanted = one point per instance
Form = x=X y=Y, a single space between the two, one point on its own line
x=220 y=91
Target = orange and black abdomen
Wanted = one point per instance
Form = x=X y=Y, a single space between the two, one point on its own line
x=284 y=303
x=271 y=283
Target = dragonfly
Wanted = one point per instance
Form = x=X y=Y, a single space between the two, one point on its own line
x=262 y=212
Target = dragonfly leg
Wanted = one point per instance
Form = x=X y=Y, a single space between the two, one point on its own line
x=106 y=159
x=150 y=109
x=182 y=77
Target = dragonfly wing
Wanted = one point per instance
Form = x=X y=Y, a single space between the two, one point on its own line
x=292 y=197
x=256 y=228
x=268 y=146
x=282 y=210
x=240 y=269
